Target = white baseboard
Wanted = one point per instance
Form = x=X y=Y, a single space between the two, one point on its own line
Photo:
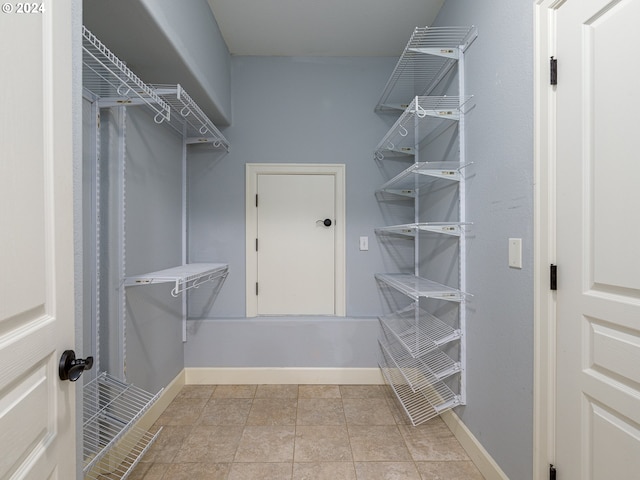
x=168 y=394
x=479 y=456
x=302 y=376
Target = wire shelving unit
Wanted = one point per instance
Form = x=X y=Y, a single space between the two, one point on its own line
x=415 y=344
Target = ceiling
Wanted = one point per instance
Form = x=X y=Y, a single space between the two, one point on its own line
x=321 y=27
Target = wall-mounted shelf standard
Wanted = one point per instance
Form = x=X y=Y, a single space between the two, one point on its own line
x=422 y=117
x=418 y=331
x=108 y=78
x=199 y=128
x=418 y=287
x=185 y=277
x=430 y=53
x=111 y=409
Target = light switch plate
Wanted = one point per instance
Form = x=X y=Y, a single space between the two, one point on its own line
x=364 y=243
x=515 y=252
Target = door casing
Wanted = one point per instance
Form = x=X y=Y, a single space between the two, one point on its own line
x=253 y=170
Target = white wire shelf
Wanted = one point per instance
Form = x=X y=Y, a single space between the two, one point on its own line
x=408 y=182
x=412 y=229
x=108 y=78
x=420 y=372
x=417 y=287
x=421 y=404
x=111 y=409
x=422 y=117
x=124 y=456
x=418 y=331
x=199 y=128
x=430 y=53
x=186 y=277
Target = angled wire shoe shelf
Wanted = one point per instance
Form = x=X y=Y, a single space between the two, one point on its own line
x=430 y=53
x=185 y=277
x=413 y=341
x=199 y=128
x=113 y=444
x=418 y=331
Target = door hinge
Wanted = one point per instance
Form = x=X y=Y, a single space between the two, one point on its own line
x=256 y=244
x=256 y=200
x=552 y=472
x=553 y=71
x=256 y=288
x=553 y=277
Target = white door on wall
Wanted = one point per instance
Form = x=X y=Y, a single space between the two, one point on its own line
x=296 y=244
x=598 y=233
x=37 y=410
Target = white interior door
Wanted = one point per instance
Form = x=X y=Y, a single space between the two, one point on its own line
x=598 y=233
x=37 y=410
x=296 y=244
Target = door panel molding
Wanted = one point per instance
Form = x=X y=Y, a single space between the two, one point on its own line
x=253 y=170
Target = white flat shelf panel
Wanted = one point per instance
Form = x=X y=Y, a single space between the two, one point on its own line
x=184 y=111
x=420 y=174
x=422 y=117
x=418 y=331
x=411 y=229
x=420 y=404
x=193 y=273
x=429 y=54
x=417 y=287
x=108 y=78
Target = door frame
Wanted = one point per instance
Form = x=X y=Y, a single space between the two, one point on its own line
x=544 y=390
x=252 y=172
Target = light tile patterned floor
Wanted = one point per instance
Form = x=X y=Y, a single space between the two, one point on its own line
x=298 y=432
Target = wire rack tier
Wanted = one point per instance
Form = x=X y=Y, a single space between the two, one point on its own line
x=185 y=277
x=184 y=111
x=412 y=229
x=408 y=182
x=418 y=372
x=418 y=331
x=426 y=59
x=107 y=77
x=420 y=404
x=111 y=409
x=418 y=287
x=422 y=117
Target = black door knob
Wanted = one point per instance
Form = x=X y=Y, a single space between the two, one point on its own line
x=71 y=368
x=327 y=222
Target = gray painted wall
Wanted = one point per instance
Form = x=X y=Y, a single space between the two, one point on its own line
x=164 y=41
x=153 y=221
x=500 y=203
x=296 y=110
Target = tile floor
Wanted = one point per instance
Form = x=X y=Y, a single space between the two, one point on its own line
x=296 y=432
